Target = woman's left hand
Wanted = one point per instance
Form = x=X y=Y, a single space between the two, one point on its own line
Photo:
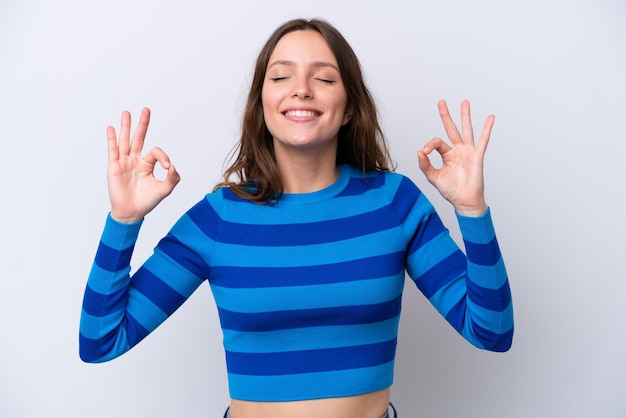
x=460 y=179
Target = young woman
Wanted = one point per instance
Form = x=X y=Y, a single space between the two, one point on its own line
x=306 y=242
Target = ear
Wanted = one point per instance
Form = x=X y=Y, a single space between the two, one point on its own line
x=347 y=116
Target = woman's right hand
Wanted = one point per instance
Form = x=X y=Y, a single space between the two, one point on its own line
x=133 y=189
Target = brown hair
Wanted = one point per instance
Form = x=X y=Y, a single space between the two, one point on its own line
x=361 y=141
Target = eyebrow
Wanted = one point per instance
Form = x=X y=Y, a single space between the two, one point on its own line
x=317 y=64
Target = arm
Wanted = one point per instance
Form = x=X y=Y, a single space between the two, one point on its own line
x=119 y=310
x=471 y=290
x=116 y=315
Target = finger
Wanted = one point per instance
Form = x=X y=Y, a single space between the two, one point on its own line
x=172 y=177
x=158 y=155
x=140 y=133
x=466 y=123
x=171 y=180
x=425 y=165
x=485 y=135
x=124 y=140
x=436 y=144
x=448 y=123
x=113 y=150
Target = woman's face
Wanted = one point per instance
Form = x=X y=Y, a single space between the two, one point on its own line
x=304 y=99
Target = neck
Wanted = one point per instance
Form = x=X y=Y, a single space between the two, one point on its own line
x=302 y=172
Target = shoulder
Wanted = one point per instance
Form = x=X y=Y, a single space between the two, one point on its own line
x=207 y=215
x=382 y=181
x=383 y=190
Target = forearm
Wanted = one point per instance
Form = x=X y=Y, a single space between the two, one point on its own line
x=121 y=310
x=103 y=317
x=489 y=303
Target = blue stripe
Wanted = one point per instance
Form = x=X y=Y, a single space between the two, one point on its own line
x=496 y=321
x=277 y=320
x=478 y=335
x=299 y=233
x=405 y=198
x=456 y=316
x=372 y=245
x=477 y=229
x=429 y=254
x=483 y=254
x=93 y=350
x=361 y=269
x=118 y=234
x=103 y=281
x=189 y=260
x=145 y=312
x=112 y=260
x=429 y=229
x=490 y=277
x=118 y=333
x=266 y=299
x=205 y=218
x=492 y=299
x=112 y=344
x=99 y=350
x=448 y=295
x=442 y=273
x=358 y=186
x=306 y=361
x=174 y=275
x=93 y=326
x=490 y=340
x=95 y=303
x=291 y=210
x=228 y=194
x=135 y=331
x=310 y=338
x=152 y=287
x=307 y=233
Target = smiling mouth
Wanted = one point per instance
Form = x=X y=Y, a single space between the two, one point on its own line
x=301 y=113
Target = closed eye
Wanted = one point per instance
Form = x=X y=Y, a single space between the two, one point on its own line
x=278 y=78
x=326 y=81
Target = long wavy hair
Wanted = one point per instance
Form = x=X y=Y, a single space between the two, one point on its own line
x=361 y=141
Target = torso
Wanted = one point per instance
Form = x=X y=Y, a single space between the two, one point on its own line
x=369 y=405
x=309 y=290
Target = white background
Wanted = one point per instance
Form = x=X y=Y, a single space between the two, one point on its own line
x=553 y=72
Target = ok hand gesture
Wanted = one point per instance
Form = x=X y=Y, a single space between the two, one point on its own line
x=460 y=179
x=133 y=189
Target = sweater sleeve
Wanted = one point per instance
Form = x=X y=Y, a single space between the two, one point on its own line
x=471 y=290
x=119 y=309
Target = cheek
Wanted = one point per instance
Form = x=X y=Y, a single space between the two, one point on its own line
x=268 y=101
x=264 y=101
x=340 y=99
x=266 y=105
x=270 y=93
x=343 y=111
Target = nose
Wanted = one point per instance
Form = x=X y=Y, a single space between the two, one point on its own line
x=302 y=89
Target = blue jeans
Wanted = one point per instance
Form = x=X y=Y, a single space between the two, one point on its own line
x=395 y=414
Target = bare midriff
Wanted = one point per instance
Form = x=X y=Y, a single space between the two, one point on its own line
x=369 y=405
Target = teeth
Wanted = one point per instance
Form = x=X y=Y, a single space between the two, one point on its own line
x=300 y=113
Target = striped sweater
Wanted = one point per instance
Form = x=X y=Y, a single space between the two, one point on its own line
x=308 y=289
